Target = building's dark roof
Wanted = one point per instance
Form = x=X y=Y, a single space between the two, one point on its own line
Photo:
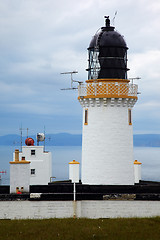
x=108 y=37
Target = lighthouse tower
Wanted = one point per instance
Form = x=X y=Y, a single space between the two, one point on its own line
x=107 y=99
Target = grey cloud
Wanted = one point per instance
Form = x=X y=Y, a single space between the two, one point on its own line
x=39 y=39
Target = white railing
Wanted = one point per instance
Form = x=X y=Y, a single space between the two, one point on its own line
x=108 y=89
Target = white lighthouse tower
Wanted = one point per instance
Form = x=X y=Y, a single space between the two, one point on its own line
x=107 y=99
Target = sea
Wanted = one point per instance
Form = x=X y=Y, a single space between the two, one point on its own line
x=62 y=155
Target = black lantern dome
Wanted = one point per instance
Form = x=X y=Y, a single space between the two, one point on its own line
x=107 y=54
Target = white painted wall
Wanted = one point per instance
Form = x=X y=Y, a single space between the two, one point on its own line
x=124 y=209
x=107 y=143
x=87 y=209
x=74 y=172
x=41 y=162
x=19 y=177
x=137 y=172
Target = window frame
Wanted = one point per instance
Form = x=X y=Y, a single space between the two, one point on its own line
x=86 y=116
x=33 y=171
x=130 y=116
x=33 y=152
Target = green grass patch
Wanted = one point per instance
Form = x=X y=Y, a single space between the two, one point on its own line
x=81 y=229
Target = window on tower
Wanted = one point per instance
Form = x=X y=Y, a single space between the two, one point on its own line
x=86 y=117
x=33 y=152
x=129 y=117
x=33 y=171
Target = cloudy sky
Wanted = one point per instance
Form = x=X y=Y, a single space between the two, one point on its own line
x=40 y=39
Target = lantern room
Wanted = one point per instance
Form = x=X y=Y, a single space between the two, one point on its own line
x=107 y=54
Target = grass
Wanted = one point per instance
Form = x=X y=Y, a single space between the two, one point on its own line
x=81 y=229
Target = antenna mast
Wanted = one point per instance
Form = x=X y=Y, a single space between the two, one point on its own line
x=44 y=137
x=21 y=136
x=72 y=80
x=21 y=129
x=135 y=78
x=114 y=17
x=27 y=132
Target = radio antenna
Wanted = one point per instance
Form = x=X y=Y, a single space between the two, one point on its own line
x=72 y=81
x=21 y=133
x=114 y=17
x=44 y=137
x=135 y=78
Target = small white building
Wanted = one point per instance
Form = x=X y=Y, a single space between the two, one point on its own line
x=74 y=171
x=40 y=164
x=40 y=160
x=19 y=174
x=137 y=171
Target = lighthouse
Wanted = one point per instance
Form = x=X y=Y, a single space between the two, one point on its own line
x=107 y=98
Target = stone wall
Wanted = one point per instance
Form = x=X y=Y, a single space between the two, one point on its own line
x=87 y=209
